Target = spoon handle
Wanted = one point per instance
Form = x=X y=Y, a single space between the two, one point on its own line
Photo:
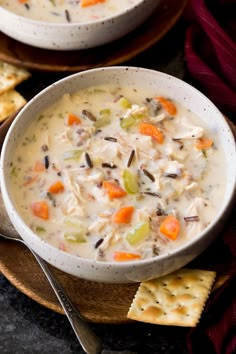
x=90 y=343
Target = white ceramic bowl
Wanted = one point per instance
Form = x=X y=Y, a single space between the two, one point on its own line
x=136 y=77
x=70 y=36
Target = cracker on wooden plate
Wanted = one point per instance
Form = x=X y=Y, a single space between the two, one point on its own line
x=11 y=75
x=10 y=102
x=176 y=299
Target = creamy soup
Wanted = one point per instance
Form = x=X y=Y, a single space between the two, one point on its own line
x=116 y=174
x=67 y=10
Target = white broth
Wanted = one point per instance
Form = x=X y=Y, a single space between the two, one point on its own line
x=64 y=11
x=115 y=174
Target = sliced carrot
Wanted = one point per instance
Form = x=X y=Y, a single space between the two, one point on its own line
x=168 y=105
x=125 y=256
x=123 y=215
x=170 y=227
x=39 y=166
x=151 y=130
x=73 y=119
x=23 y=1
x=40 y=209
x=56 y=187
x=203 y=143
x=113 y=190
x=84 y=3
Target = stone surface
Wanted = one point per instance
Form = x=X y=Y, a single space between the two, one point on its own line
x=27 y=327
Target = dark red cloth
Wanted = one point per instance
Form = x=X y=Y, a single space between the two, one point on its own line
x=210 y=51
x=216 y=330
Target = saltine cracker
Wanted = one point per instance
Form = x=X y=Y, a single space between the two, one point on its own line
x=10 y=102
x=176 y=299
x=11 y=76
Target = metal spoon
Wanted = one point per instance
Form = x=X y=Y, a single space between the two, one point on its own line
x=90 y=343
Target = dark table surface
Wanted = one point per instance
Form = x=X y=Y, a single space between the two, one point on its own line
x=26 y=326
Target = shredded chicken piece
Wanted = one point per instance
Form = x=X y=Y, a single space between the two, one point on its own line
x=99 y=149
x=65 y=136
x=158 y=118
x=176 y=154
x=190 y=131
x=144 y=214
x=135 y=110
x=112 y=238
x=174 y=167
x=73 y=186
x=149 y=249
x=71 y=206
x=143 y=146
x=192 y=186
x=96 y=177
x=98 y=225
x=195 y=209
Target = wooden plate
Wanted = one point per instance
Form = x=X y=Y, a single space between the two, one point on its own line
x=97 y=302
x=164 y=18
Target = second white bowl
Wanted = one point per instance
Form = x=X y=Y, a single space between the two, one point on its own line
x=73 y=36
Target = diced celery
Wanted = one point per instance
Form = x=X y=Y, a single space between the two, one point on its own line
x=77 y=232
x=102 y=122
x=104 y=118
x=105 y=112
x=130 y=182
x=132 y=117
x=127 y=122
x=40 y=229
x=73 y=155
x=124 y=102
x=14 y=172
x=138 y=115
x=138 y=233
x=74 y=236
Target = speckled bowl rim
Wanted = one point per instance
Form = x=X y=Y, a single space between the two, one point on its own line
x=137 y=263
x=75 y=24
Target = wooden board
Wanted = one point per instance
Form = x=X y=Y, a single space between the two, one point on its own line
x=97 y=302
x=162 y=20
